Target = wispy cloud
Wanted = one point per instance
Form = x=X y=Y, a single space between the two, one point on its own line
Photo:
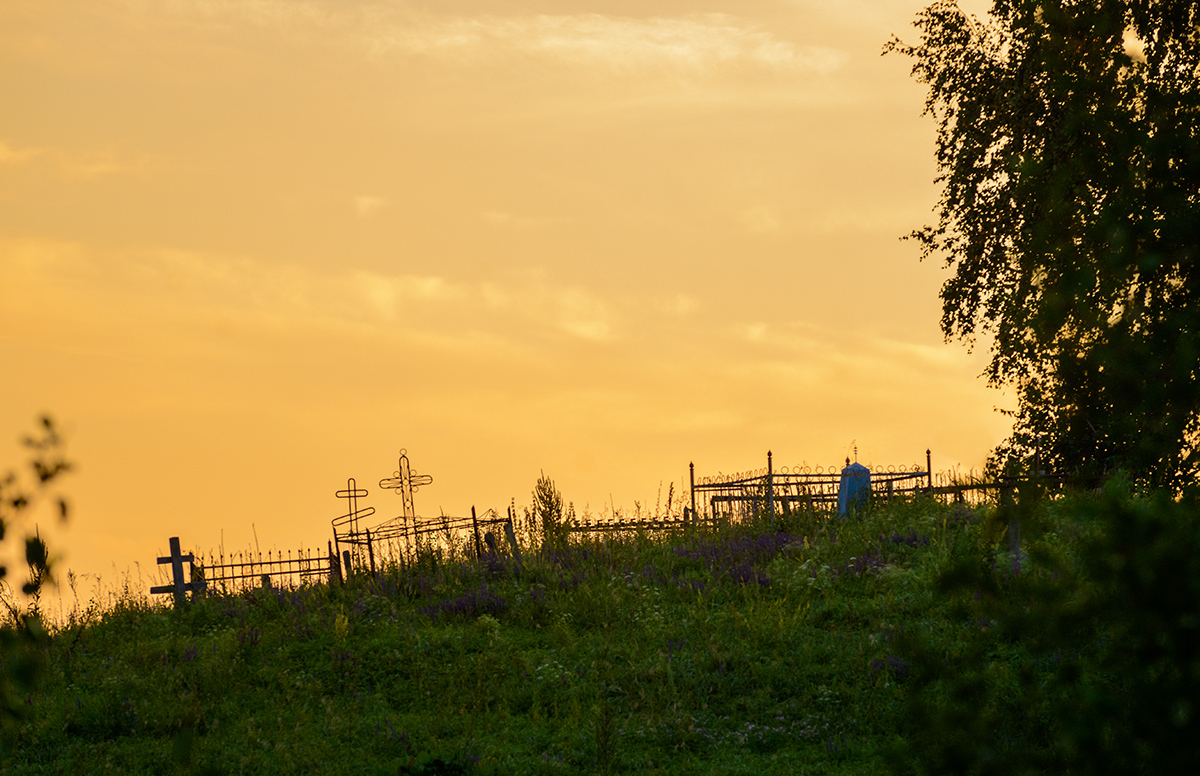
x=10 y=155
x=572 y=310
x=519 y=313
x=583 y=315
x=677 y=306
x=89 y=165
x=203 y=284
x=692 y=42
x=367 y=205
x=754 y=332
x=70 y=164
x=385 y=294
x=796 y=343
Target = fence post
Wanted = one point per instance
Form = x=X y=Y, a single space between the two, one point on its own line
x=370 y=552
x=929 y=470
x=335 y=567
x=346 y=560
x=475 y=524
x=770 y=491
x=692 y=488
x=177 y=572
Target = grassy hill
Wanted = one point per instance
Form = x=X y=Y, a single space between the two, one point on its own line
x=904 y=637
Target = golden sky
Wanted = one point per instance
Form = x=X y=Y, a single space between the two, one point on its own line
x=250 y=248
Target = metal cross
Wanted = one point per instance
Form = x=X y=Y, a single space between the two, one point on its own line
x=353 y=493
x=406 y=482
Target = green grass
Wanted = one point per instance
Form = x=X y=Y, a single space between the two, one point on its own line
x=727 y=652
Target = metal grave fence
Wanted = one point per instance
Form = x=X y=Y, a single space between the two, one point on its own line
x=399 y=539
x=241 y=570
x=769 y=490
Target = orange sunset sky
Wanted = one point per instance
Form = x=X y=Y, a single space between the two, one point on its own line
x=250 y=248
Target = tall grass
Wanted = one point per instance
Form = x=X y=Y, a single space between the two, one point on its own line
x=716 y=650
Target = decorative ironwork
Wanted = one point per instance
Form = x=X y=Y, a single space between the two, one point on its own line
x=349 y=521
x=406 y=482
x=401 y=535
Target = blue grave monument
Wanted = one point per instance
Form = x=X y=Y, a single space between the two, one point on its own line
x=854 y=488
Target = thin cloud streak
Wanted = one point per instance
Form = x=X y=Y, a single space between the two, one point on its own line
x=486 y=314
x=694 y=43
x=14 y=156
x=287 y=294
x=69 y=164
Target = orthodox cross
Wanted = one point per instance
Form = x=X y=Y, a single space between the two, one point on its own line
x=406 y=482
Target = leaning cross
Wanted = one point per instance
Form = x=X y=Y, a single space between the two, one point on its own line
x=178 y=586
x=406 y=482
x=353 y=493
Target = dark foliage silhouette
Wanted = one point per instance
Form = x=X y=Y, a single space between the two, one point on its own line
x=1068 y=151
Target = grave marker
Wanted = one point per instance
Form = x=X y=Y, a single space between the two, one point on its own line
x=406 y=482
x=351 y=493
x=178 y=586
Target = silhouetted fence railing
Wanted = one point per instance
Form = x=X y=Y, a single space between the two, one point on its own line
x=769 y=490
x=401 y=538
x=242 y=570
x=627 y=525
x=977 y=489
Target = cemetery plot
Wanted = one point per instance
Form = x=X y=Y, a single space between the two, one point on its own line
x=401 y=537
x=762 y=492
x=754 y=494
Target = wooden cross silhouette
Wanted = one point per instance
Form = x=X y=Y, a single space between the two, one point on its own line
x=178 y=586
x=406 y=482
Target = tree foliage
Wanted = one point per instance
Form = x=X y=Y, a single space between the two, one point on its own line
x=1085 y=662
x=22 y=634
x=1068 y=149
x=547 y=512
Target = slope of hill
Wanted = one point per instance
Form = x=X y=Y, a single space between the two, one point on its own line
x=901 y=637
